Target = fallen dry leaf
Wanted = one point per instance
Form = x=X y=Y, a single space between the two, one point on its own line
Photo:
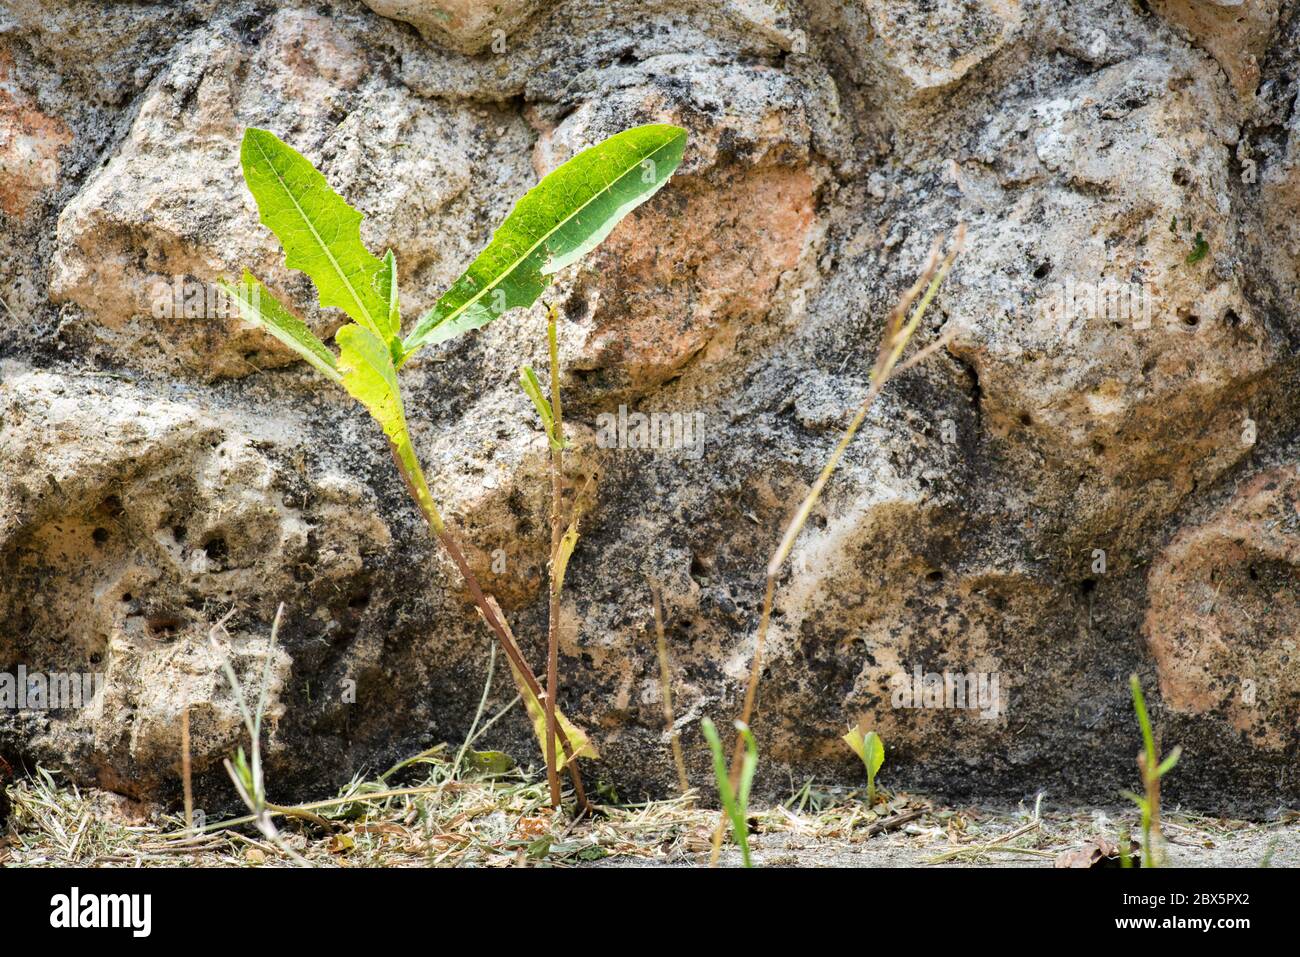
x=1095 y=852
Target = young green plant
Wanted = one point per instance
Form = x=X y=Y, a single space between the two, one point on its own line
x=871 y=750
x=1152 y=770
x=734 y=795
x=899 y=328
x=552 y=226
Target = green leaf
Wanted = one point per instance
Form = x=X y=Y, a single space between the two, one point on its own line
x=868 y=747
x=489 y=762
x=1200 y=249
x=871 y=749
x=320 y=233
x=1170 y=760
x=390 y=327
x=735 y=803
x=260 y=308
x=556 y=223
x=1137 y=799
x=533 y=389
x=370 y=377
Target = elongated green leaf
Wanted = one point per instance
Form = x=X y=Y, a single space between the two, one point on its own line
x=390 y=326
x=260 y=308
x=320 y=233
x=735 y=803
x=557 y=222
x=1170 y=760
x=533 y=389
x=578 y=740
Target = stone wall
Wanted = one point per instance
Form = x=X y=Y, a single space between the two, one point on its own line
x=1098 y=476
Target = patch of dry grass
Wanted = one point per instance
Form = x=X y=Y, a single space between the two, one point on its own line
x=472 y=819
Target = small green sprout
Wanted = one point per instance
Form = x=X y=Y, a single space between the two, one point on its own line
x=1152 y=770
x=735 y=801
x=871 y=750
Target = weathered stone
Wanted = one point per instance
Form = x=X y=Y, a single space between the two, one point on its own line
x=1235 y=32
x=1222 y=613
x=30 y=144
x=1126 y=306
x=465 y=25
x=1104 y=310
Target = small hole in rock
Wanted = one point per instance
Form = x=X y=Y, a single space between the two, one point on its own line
x=360 y=600
x=178 y=532
x=126 y=596
x=1043 y=271
x=99 y=535
x=1025 y=419
x=1088 y=586
x=1191 y=320
x=215 y=549
x=160 y=625
x=934 y=576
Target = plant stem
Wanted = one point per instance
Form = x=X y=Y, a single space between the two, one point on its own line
x=557 y=533
x=413 y=477
x=665 y=683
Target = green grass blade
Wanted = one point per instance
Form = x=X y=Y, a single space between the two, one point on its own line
x=556 y=223
x=320 y=233
x=533 y=389
x=1140 y=706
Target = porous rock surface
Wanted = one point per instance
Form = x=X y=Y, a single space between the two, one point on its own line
x=1064 y=495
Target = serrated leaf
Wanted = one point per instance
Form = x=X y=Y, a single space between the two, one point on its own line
x=320 y=233
x=259 y=307
x=556 y=223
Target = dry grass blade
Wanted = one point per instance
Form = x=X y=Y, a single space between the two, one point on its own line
x=898 y=332
x=666 y=689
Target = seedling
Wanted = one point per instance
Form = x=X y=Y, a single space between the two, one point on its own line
x=1152 y=771
x=871 y=750
x=556 y=223
x=734 y=797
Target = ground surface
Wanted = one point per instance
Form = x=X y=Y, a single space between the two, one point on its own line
x=500 y=820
